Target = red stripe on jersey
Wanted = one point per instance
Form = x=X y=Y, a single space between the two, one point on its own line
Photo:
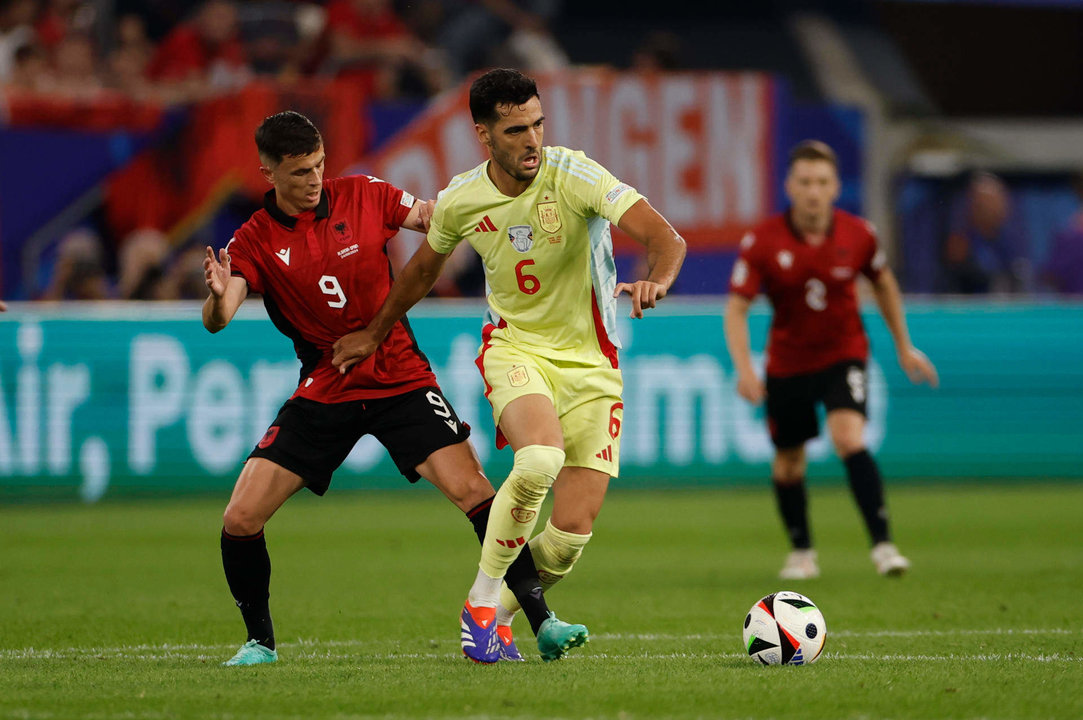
x=607 y=346
x=489 y=224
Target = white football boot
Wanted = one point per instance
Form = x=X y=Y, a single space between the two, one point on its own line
x=800 y=565
x=888 y=560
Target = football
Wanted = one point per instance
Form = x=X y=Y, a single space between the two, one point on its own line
x=784 y=628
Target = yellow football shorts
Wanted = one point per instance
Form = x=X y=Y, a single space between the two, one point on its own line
x=587 y=399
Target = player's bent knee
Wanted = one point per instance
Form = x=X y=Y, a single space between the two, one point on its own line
x=239 y=521
x=533 y=473
x=846 y=448
x=789 y=466
x=456 y=472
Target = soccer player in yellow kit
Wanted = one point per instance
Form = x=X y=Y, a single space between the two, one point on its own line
x=539 y=217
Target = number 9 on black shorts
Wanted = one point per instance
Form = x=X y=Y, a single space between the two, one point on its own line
x=312 y=438
x=791 y=401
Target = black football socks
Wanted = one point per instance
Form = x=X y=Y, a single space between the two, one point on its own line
x=793 y=507
x=868 y=490
x=248 y=572
x=521 y=577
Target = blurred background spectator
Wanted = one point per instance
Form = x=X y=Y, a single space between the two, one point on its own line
x=204 y=54
x=368 y=42
x=30 y=71
x=16 y=32
x=483 y=33
x=1063 y=271
x=986 y=252
x=79 y=272
x=148 y=269
x=659 y=52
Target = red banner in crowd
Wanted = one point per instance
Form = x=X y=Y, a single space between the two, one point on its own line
x=174 y=186
x=698 y=145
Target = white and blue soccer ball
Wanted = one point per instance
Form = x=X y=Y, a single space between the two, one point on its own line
x=784 y=628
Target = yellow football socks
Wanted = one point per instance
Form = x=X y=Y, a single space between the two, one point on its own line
x=515 y=508
x=555 y=552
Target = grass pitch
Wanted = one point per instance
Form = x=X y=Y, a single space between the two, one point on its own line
x=120 y=610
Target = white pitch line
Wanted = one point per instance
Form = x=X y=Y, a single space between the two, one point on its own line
x=590 y=656
x=849 y=634
x=315 y=648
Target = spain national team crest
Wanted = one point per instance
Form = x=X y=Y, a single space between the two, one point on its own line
x=518 y=376
x=342 y=231
x=548 y=217
x=521 y=237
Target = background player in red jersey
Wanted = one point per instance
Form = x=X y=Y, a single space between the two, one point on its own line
x=807 y=260
x=315 y=252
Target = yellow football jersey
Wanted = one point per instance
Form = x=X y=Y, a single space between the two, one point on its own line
x=548 y=254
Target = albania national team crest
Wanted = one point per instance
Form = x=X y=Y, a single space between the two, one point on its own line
x=521 y=237
x=342 y=231
x=548 y=216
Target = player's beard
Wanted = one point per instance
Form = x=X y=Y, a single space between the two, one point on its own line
x=513 y=168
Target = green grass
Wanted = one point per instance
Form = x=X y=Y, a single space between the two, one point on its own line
x=120 y=610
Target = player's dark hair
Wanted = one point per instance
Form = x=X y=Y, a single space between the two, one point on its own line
x=813 y=150
x=287 y=134
x=501 y=86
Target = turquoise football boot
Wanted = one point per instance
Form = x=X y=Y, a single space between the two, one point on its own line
x=556 y=637
x=252 y=653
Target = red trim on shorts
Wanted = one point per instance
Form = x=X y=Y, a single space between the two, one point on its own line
x=608 y=348
x=486 y=343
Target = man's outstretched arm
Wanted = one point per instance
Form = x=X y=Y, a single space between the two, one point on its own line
x=226 y=292
x=414 y=283
x=665 y=255
x=913 y=361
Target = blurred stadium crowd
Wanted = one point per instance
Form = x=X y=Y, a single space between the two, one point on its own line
x=174 y=51
x=978 y=231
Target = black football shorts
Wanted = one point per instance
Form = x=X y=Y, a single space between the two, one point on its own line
x=792 y=401
x=313 y=439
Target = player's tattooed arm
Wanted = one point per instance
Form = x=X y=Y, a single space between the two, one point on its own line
x=665 y=255
x=226 y=292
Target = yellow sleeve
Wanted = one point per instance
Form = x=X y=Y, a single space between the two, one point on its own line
x=443 y=235
x=592 y=190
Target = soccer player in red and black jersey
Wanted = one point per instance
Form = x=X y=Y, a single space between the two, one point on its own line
x=316 y=253
x=807 y=260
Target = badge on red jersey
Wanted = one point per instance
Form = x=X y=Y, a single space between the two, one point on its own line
x=342 y=231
